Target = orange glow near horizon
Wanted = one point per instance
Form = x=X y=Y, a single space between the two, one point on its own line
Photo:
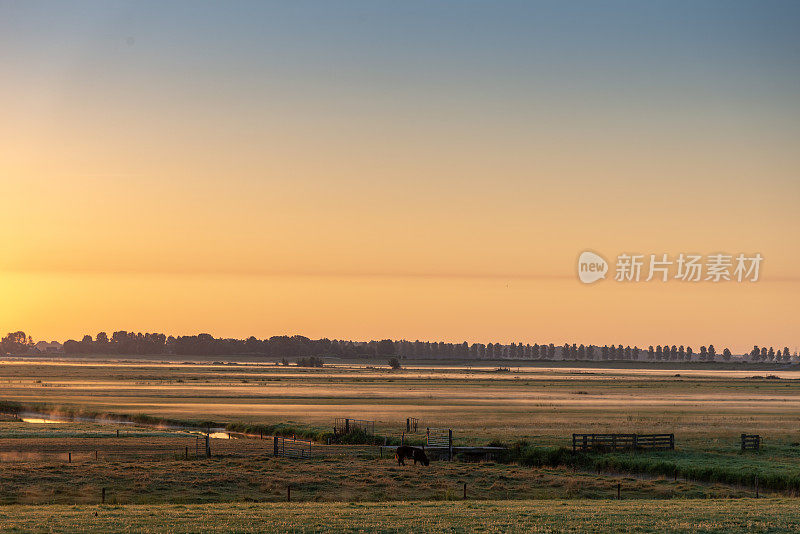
x=323 y=181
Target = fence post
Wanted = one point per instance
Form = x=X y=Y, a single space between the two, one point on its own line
x=672 y=442
x=103 y=496
x=619 y=490
x=756 y=486
x=262 y=434
x=347 y=426
x=69 y=457
x=408 y=425
x=289 y=493
x=465 y=490
x=427 y=435
x=208 y=446
x=95 y=454
x=403 y=439
x=186 y=456
x=573 y=442
x=449 y=444
x=275 y=445
x=744 y=438
x=118 y=432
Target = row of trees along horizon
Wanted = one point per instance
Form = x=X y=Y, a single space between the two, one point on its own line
x=124 y=342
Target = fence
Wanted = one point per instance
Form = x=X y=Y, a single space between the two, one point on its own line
x=132 y=445
x=292 y=448
x=751 y=441
x=411 y=425
x=440 y=438
x=615 y=442
x=343 y=425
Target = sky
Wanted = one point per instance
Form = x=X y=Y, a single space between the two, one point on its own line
x=419 y=170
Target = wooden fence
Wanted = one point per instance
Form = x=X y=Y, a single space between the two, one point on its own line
x=751 y=442
x=615 y=442
x=343 y=425
x=292 y=448
x=440 y=438
x=411 y=425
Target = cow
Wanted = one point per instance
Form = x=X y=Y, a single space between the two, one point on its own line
x=415 y=453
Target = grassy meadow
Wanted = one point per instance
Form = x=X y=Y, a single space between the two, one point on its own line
x=704 y=408
x=532 y=410
x=747 y=516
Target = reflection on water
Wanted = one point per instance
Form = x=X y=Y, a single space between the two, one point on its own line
x=42 y=420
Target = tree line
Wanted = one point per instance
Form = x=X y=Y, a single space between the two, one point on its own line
x=137 y=343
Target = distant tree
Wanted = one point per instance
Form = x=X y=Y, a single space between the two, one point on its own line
x=651 y=352
x=712 y=352
x=15 y=342
x=689 y=353
x=703 y=353
x=102 y=337
x=755 y=353
x=681 y=353
x=786 y=356
x=311 y=361
x=726 y=354
x=394 y=363
x=764 y=353
x=771 y=354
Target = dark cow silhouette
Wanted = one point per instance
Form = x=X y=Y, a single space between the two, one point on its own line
x=414 y=453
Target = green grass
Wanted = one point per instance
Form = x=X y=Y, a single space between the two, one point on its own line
x=777 y=468
x=703 y=516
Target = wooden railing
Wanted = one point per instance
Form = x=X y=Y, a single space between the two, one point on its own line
x=615 y=442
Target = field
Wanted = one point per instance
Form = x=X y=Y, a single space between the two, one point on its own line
x=544 y=405
x=729 y=516
x=62 y=468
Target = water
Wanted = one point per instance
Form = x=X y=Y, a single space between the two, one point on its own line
x=41 y=420
x=214 y=433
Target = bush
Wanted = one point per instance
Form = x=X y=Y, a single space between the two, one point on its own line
x=311 y=361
